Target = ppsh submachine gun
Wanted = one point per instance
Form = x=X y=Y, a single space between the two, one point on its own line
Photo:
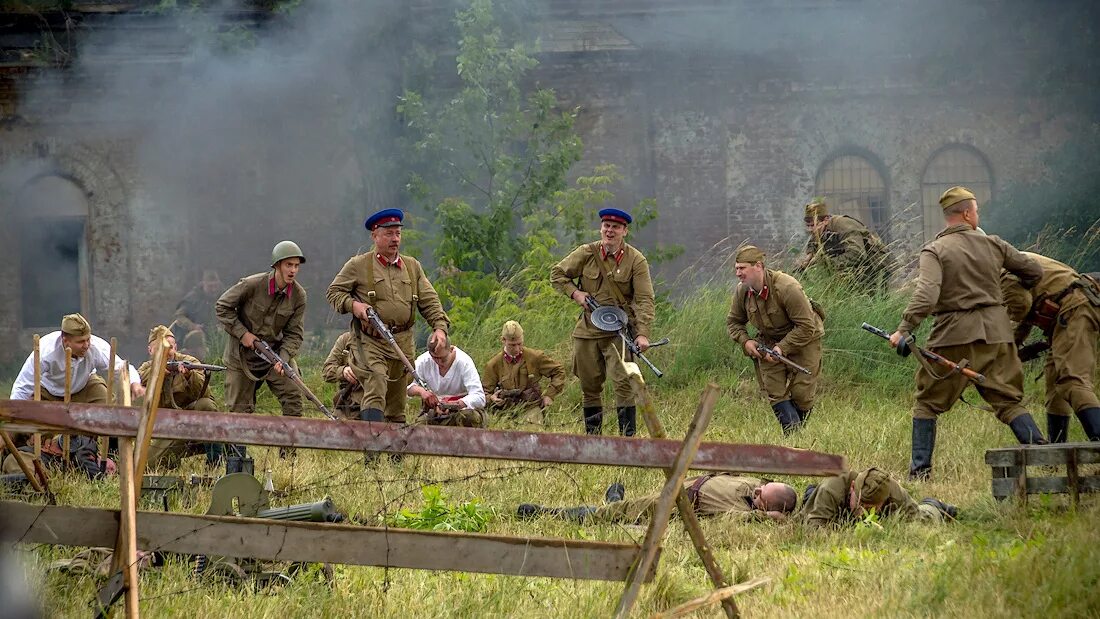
x=253 y=501
x=908 y=345
x=269 y=355
x=614 y=320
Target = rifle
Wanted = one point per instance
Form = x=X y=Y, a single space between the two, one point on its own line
x=265 y=351
x=376 y=322
x=906 y=346
x=442 y=410
x=762 y=347
x=174 y=366
x=614 y=319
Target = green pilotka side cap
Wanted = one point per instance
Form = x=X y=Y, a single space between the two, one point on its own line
x=749 y=254
x=872 y=486
x=158 y=332
x=75 y=325
x=817 y=208
x=955 y=195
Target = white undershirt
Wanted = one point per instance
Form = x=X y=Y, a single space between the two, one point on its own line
x=52 y=363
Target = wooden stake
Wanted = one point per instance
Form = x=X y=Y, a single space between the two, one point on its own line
x=126 y=549
x=683 y=502
x=717 y=595
x=28 y=469
x=66 y=442
x=102 y=440
x=663 y=509
x=149 y=412
x=37 y=392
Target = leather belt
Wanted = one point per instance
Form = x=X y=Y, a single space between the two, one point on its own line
x=696 y=486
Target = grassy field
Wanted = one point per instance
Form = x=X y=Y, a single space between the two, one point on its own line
x=997 y=560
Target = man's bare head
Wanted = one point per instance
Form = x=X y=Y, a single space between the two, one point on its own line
x=775 y=497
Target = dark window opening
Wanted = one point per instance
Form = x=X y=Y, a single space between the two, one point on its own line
x=52 y=252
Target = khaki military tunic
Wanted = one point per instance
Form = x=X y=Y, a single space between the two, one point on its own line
x=375 y=363
x=829 y=504
x=849 y=247
x=596 y=353
x=782 y=315
x=959 y=283
x=275 y=316
x=333 y=372
x=723 y=495
x=526 y=374
x=194 y=312
x=183 y=393
x=1071 y=362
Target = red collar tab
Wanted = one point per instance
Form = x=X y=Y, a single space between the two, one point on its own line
x=515 y=359
x=272 y=288
x=763 y=294
x=618 y=255
x=387 y=263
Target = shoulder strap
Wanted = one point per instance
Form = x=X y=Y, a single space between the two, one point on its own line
x=370 y=278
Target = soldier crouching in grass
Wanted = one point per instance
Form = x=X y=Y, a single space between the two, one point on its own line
x=454 y=395
x=786 y=321
x=512 y=378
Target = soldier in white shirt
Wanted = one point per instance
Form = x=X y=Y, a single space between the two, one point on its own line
x=454 y=396
x=91 y=360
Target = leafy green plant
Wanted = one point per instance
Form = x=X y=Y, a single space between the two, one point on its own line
x=437 y=515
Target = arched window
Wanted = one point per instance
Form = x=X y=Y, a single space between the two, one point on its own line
x=53 y=212
x=853 y=186
x=950 y=166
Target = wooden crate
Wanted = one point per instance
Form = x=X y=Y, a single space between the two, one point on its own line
x=1015 y=471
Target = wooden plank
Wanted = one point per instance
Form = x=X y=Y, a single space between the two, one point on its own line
x=1072 y=478
x=270 y=430
x=1045 y=455
x=126 y=546
x=1045 y=485
x=149 y=413
x=37 y=440
x=674 y=485
x=717 y=595
x=683 y=502
x=323 y=543
x=66 y=441
x=1021 y=479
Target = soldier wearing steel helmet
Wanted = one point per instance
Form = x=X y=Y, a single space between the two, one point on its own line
x=271 y=306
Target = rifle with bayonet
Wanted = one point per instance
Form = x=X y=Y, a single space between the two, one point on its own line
x=907 y=345
x=614 y=319
x=264 y=350
x=771 y=352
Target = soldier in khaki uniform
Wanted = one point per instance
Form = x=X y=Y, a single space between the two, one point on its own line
x=268 y=306
x=959 y=283
x=521 y=369
x=613 y=273
x=1066 y=306
x=786 y=321
x=845 y=245
x=183 y=390
x=393 y=284
x=337 y=369
x=845 y=499
x=194 y=313
x=725 y=495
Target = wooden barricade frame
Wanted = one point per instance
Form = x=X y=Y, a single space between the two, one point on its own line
x=1010 y=477
x=631 y=563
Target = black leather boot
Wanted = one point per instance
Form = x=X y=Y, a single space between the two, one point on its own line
x=527 y=511
x=593 y=419
x=628 y=420
x=1090 y=421
x=1057 y=427
x=787 y=415
x=804 y=415
x=1026 y=431
x=371 y=414
x=615 y=492
x=924 y=443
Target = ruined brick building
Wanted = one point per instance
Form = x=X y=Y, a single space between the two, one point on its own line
x=731 y=114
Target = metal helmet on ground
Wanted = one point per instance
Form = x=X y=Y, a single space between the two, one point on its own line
x=284 y=250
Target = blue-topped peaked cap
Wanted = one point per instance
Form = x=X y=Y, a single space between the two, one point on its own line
x=616 y=215
x=385 y=218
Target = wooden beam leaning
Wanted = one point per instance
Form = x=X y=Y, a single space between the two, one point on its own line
x=37 y=391
x=125 y=558
x=66 y=441
x=323 y=543
x=149 y=412
x=662 y=511
x=683 y=502
x=270 y=430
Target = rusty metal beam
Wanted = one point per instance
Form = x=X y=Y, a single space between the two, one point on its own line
x=25 y=415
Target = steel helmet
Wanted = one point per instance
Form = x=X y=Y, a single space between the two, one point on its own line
x=284 y=250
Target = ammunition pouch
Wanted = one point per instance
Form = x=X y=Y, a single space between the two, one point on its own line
x=1044 y=314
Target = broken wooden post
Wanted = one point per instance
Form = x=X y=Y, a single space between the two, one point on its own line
x=102 y=440
x=27 y=468
x=683 y=502
x=149 y=411
x=126 y=548
x=662 y=511
x=717 y=595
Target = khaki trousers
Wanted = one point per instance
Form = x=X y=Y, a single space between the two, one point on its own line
x=240 y=391
x=1003 y=388
x=780 y=383
x=1072 y=360
x=381 y=373
x=596 y=360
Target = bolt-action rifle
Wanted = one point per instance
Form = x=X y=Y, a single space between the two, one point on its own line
x=906 y=347
x=265 y=351
x=762 y=347
x=176 y=366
